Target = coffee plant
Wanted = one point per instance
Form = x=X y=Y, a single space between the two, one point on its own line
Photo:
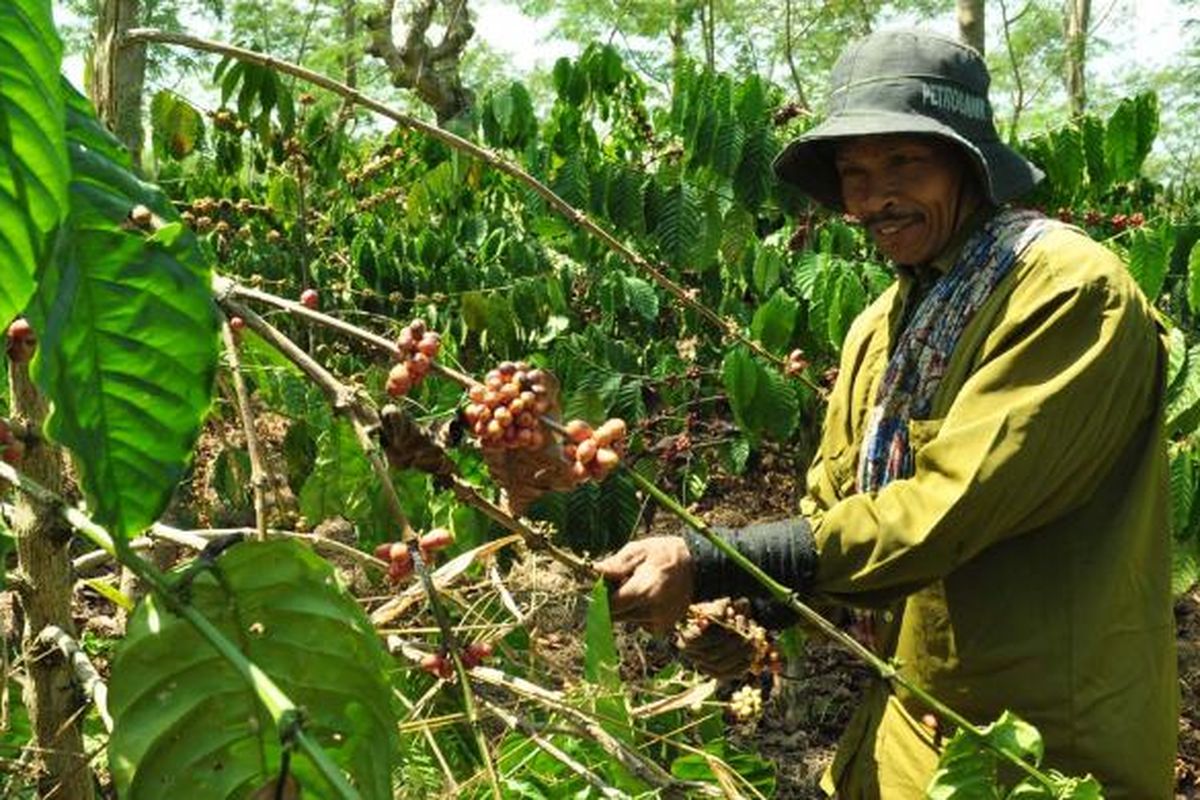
x=623 y=276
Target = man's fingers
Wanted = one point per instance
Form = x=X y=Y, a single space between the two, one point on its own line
x=631 y=602
x=621 y=564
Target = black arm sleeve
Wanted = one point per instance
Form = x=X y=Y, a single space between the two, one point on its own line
x=785 y=550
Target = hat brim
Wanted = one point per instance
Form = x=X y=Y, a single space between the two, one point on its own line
x=808 y=164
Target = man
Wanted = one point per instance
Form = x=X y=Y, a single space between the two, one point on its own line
x=991 y=478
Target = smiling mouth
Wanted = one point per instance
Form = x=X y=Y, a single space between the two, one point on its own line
x=892 y=227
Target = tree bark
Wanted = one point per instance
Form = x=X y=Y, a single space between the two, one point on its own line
x=430 y=70
x=119 y=73
x=1075 y=23
x=43 y=583
x=350 y=36
x=970 y=23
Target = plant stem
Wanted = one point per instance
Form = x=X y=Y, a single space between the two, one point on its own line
x=728 y=328
x=364 y=419
x=227 y=289
x=258 y=471
x=277 y=704
x=340 y=397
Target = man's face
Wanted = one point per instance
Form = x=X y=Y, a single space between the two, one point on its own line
x=911 y=193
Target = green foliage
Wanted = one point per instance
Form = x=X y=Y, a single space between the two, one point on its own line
x=969 y=771
x=1129 y=135
x=128 y=335
x=763 y=403
x=1109 y=153
x=178 y=128
x=507 y=117
x=591 y=518
x=188 y=725
x=1150 y=258
x=756 y=771
x=258 y=92
x=33 y=155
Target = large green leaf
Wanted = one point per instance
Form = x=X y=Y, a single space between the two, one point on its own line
x=754 y=177
x=1130 y=135
x=755 y=770
x=602 y=664
x=763 y=403
x=678 y=224
x=1183 y=397
x=1092 y=131
x=1193 y=283
x=178 y=127
x=1150 y=258
x=188 y=725
x=341 y=481
x=775 y=321
x=968 y=771
x=128 y=335
x=33 y=154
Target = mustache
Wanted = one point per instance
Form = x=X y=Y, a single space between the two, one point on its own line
x=885 y=217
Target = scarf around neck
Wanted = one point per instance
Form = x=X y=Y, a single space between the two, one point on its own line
x=923 y=351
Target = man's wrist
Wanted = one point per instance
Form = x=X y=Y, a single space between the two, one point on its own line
x=785 y=550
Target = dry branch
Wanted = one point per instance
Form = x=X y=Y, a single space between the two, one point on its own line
x=89 y=680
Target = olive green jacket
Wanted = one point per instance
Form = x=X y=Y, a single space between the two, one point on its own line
x=1025 y=565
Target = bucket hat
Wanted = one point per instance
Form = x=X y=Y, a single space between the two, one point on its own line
x=907 y=82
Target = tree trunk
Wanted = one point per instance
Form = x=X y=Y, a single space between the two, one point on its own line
x=1075 y=23
x=350 y=37
x=430 y=70
x=119 y=73
x=970 y=23
x=43 y=584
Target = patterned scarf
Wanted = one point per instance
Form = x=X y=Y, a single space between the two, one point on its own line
x=923 y=351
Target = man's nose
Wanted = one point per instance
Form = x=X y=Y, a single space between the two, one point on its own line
x=878 y=195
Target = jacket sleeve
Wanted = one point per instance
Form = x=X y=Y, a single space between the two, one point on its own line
x=1064 y=379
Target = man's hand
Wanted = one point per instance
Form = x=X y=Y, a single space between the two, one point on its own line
x=713 y=641
x=654 y=581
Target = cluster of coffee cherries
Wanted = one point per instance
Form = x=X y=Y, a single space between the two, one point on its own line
x=416 y=348
x=399 y=557
x=746 y=704
x=795 y=364
x=440 y=665
x=226 y=218
x=594 y=453
x=1095 y=219
x=505 y=410
x=763 y=655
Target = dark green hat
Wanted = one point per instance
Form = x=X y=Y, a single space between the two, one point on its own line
x=907 y=82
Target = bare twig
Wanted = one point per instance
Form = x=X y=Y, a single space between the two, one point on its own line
x=88 y=678
x=258 y=471
x=361 y=416
x=1019 y=99
x=515 y=723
